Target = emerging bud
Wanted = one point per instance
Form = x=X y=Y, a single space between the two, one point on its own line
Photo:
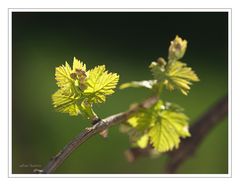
x=177 y=48
x=80 y=78
x=73 y=76
x=161 y=62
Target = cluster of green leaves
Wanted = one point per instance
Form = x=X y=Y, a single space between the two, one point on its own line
x=164 y=124
x=173 y=74
x=80 y=88
x=161 y=125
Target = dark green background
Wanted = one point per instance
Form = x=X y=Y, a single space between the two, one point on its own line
x=126 y=43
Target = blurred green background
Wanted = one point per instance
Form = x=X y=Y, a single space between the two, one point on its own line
x=126 y=43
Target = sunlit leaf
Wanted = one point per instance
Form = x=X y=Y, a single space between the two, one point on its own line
x=165 y=134
x=78 y=65
x=63 y=76
x=66 y=103
x=161 y=125
x=146 y=118
x=175 y=75
x=179 y=76
x=68 y=79
x=100 y=83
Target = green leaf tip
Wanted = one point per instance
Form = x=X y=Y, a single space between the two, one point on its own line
x=100 y=84
x=79 y=88
x=162 y=126
x=66 y=103
x=179 y=76
x=176 y=75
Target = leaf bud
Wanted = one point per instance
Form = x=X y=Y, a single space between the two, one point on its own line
x=177 y=48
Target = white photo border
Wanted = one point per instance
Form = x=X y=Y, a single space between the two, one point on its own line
x=11 y=10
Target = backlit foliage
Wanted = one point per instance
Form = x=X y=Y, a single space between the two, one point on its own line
x=163 y=125
x=79 y=88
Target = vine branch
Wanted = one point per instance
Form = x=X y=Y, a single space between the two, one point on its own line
x=101 y=125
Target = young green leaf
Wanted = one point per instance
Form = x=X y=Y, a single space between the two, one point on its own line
x=68 y=79
x=100 y=83
x=144 y=119
x=63 y=76
x=160 y=125
x=179 y=76
x=176 y=75
x=166 y=133
x=66 y=103
x=77 y=65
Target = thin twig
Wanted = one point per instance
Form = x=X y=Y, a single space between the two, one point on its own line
x=199 y=130
x=101 y=125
